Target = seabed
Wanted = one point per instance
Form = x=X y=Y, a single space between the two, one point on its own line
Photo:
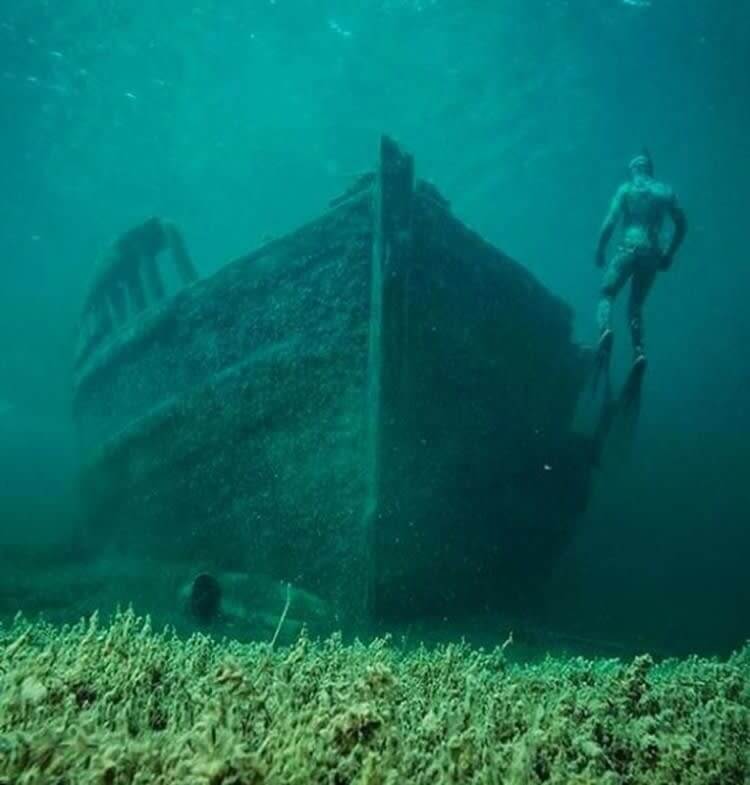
x=119 y=703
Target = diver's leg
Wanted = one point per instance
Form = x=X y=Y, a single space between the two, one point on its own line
x=615 y=277
x=643 y=278
x=644 y=274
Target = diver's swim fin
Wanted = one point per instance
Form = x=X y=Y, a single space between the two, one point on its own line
x=603 y=427
x=605 y=343
x=602 y=360
x=630 y=397
x=624 y=410
x=629 y=405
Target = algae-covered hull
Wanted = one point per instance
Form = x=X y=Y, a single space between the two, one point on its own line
x=376 y=407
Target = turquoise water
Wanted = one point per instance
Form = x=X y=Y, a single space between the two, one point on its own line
x=239 y=121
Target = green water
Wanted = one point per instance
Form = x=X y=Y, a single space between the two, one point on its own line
x=241 y=120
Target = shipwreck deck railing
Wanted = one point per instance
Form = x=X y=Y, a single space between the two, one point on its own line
x=129 y=281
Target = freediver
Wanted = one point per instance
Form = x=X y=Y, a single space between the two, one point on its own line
x=641 y=204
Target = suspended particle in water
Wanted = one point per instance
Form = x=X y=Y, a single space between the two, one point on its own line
x=338 y=29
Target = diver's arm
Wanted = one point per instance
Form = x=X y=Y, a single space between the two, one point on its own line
x=678 y=235
x=608 y=227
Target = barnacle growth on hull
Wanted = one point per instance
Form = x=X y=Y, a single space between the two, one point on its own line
x=377 y=405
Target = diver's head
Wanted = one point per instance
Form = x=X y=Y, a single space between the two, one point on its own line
x=641 y=165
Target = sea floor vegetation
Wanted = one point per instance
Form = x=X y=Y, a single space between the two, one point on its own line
x=115 y=703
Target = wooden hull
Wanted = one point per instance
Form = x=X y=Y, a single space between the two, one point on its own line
x=376 y=407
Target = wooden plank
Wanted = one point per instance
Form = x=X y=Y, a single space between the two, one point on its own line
x=391 y=258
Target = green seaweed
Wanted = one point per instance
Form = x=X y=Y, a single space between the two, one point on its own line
x=119 y=703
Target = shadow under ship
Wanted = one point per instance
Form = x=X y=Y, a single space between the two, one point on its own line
x=376 y=407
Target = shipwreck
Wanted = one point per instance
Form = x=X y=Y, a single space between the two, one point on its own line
x=376 y=407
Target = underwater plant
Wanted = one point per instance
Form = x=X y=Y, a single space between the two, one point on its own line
x=119 y=703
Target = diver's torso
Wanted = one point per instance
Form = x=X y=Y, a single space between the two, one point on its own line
x=645 y=205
